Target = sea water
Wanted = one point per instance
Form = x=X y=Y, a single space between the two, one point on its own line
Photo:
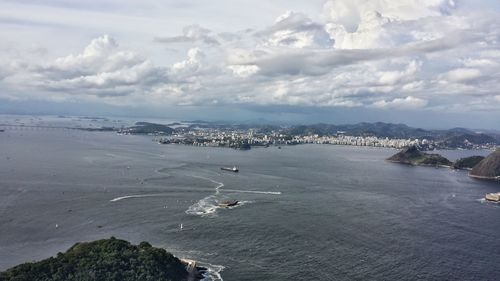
x=308 y=212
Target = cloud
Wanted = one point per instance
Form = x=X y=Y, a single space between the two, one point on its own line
x=295 y=30
x=394 y=77
x=401 y=103
x=191 y=33
x=351 y=13
x=409 y=54
x=319 y=62
x=244 y=70
x=462 y=75
x=102 y=69
x=191 y=64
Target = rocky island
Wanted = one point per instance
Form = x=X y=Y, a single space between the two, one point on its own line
x=488 y=168
x=413 y=156
x=109 y=259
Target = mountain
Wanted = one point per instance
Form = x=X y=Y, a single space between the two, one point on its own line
x=488 y=168
x=108 y=259
x=378 y=129
x=412 y=156
x=468 y=140
x=148 y=128
x=467 y=163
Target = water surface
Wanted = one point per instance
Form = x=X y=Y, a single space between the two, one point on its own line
x=309 y=212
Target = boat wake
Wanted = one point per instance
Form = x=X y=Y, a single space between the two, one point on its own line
x=207 y=205
x=252 y=191
x=212 y=273
x=136 y=196
x=204 y=207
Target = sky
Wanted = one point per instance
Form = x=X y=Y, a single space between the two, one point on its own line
x=426 y=63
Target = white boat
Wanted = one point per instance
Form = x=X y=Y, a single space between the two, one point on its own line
x=495 y=197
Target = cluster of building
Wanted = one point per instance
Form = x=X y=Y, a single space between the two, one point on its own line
x=341 y=139
x=245 y=139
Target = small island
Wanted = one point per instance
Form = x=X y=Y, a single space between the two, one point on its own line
x=413 y=156
x=108 y=259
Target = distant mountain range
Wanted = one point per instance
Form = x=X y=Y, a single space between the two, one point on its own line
x=451 y=138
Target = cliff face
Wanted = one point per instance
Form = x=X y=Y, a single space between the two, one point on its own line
x=109 y=259
x=489 y=167
x=412 y=156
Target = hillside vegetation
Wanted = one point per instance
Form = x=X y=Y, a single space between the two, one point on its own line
x=109 y=259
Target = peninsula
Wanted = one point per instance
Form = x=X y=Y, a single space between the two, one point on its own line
x=413 y=156
x=109 y=259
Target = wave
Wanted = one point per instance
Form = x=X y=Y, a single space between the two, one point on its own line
x=209 y=205
x=204 y=207
x=212 y=273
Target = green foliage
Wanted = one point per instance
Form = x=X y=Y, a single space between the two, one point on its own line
x=108 y=259
x=468 y=162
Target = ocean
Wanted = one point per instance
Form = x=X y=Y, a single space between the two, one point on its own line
x=307 y=212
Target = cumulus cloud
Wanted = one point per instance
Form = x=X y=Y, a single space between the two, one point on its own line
x=102 y=69
x=295 y=30
x=351 y=13
x=409 y=54
x=191 y=64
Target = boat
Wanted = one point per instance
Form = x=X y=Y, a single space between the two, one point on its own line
x=495 y=197
x=230 y=169
x=228 y=203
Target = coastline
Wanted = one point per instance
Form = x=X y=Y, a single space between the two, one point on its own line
x=420 y=165
x=484 y=178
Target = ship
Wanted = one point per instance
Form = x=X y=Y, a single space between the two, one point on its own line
x=228 y=203
x=230 y=169
x=495 y=197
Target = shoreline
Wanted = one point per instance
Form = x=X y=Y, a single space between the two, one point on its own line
x=484 y=178
x=421 y=165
